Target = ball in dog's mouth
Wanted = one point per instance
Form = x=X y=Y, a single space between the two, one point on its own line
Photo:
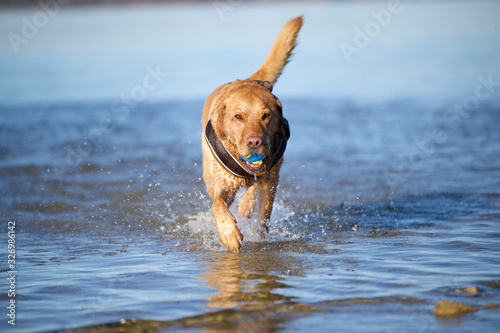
x=254 y=167
x=254 y=161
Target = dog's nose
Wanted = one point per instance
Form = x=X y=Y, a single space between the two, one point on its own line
x=254 y=142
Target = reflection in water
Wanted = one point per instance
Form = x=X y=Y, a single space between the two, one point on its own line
x=249 y=297
x=245 y=281
x=249 y=291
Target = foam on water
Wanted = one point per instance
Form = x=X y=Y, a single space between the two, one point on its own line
x=202 y=225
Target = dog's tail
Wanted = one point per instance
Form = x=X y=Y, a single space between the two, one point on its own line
x=280 y=52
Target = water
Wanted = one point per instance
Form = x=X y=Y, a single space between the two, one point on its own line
x=388 y=201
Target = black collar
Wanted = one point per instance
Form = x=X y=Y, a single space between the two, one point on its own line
x=231 y=164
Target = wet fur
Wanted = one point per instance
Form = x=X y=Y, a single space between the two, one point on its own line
x=261 y=117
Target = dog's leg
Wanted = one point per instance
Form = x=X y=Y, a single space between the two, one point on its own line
x=229 y=234
x=247 y=202
x=267 y=191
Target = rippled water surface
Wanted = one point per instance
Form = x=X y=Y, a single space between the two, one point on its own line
x=385 y=207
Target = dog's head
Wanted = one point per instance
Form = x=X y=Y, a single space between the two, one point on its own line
x=248 y=119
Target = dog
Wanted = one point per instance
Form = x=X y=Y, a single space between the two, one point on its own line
x=244 y=137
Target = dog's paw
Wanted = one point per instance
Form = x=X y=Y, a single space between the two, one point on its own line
x=229 y=235
x=246 y=208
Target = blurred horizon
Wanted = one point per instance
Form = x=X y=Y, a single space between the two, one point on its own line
x=22 y=3
x=363 y=50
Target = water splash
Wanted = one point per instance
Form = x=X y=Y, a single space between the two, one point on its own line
x=282 y=227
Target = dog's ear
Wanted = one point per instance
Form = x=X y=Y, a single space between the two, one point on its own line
x=265 y=84
x=279 y=106
x=218 y=121
x=279 y=111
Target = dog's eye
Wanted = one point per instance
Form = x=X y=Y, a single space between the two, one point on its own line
x=239 y=117
x=266 y=115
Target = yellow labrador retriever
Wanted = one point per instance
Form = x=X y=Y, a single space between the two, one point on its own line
x=243 y=141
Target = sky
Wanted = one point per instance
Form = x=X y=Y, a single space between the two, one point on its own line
x=365 y=50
